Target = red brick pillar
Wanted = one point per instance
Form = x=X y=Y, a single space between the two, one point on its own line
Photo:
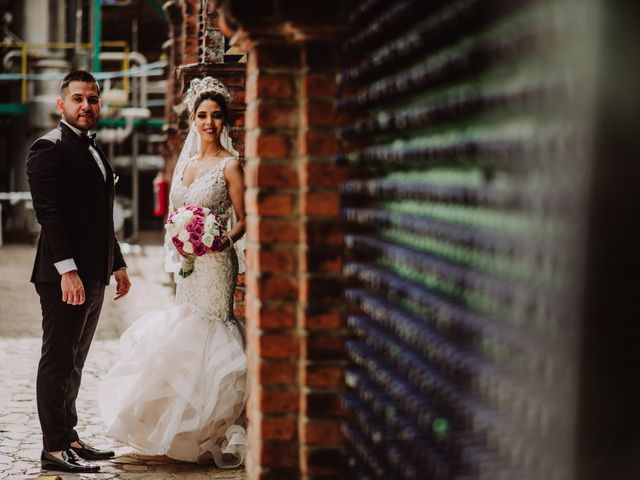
x=183 y=20
x=274 y=232
x=320 y=310
x=294 y=302
x=294 y=289
x=192 y=19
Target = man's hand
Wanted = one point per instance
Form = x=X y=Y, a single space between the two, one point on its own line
x=72 y=288
x=122 y=283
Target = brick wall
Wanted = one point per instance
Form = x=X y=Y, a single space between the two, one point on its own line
x=294 y=284
x=212 y=39
x=320 y=302
x=183 y=19
x=175 y=138
x=192 y=22
x=273 y=254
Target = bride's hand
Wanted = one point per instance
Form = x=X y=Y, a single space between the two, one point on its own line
x=228 y=243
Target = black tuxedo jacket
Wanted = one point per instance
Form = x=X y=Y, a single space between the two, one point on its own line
x=74 y=206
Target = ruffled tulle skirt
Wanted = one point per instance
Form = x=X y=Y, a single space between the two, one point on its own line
x=179 y=388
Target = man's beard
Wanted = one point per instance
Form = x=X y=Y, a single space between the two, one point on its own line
x=75 y=122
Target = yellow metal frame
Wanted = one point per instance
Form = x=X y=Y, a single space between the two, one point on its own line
x=24 y=57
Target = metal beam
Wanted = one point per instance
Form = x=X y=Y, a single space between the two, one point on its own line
x=137 y=122
x=13 y=108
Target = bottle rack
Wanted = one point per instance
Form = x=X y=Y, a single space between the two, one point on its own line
x=462 y=238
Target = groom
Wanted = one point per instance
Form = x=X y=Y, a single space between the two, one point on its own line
x=72 y=189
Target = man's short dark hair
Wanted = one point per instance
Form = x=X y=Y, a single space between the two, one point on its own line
x=77 y=76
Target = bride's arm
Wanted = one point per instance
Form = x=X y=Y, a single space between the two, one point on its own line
x=234 y=177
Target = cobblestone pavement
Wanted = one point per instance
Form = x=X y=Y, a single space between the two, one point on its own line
x=20 y=438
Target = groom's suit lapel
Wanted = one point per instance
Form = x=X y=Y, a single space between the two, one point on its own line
x=107 y=167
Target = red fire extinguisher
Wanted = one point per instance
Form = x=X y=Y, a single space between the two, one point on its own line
x=160 y=195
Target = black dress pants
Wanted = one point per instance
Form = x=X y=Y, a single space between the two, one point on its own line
x=67 y=331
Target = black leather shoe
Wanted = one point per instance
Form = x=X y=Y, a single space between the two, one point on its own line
x=91 y=453
x=70 y=462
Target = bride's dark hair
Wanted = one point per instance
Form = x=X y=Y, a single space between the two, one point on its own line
x=216 y=97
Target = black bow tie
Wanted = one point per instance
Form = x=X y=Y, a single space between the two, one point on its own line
x=88 y=138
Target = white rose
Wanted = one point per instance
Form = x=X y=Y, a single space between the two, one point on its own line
x=207 y=239
x=183 y=236
x=178 y=222
x=182 y=219
x=209 y=223
x=187 y=247
x=171 y=229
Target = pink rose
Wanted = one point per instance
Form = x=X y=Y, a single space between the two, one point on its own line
x=191 y=227
x=177 y=243
x=200 y=249
x=217 y=243
x=195 y=238
x=199 y=229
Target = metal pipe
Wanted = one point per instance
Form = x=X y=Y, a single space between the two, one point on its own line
x=134 y=47
x=97 y=34
x=125 y=66
x=62 y=45
x=135 y=191
x=78 y=30
x=138 y=58
x=118 y=135
x=23 y=89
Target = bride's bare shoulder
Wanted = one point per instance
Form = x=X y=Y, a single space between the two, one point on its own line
x=232 y=163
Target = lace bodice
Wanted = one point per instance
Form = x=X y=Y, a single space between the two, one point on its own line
x=208 y=190
x=209 y=289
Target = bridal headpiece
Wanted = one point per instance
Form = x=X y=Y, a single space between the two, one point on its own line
x=199 y=86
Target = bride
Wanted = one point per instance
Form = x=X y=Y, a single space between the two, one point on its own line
x=179 y=388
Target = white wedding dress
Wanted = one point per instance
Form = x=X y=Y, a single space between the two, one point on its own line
x=179 y=388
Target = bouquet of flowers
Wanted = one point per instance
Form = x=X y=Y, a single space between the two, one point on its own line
x=194 y=231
